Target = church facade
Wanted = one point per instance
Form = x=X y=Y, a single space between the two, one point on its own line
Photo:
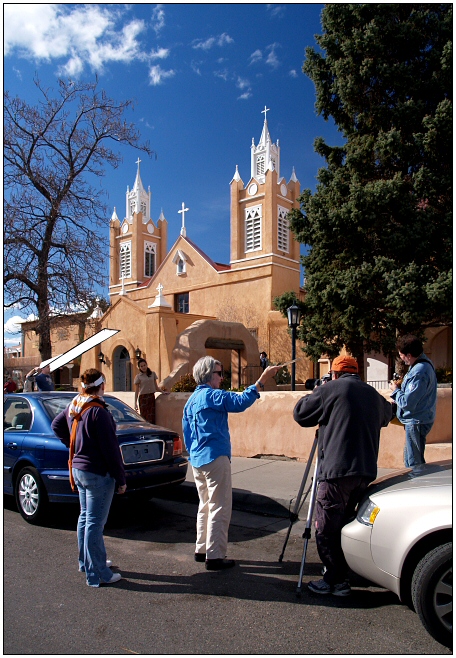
x=174 y=305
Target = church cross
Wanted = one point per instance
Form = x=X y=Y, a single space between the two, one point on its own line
x=160 y=289
x=183 y=211
x=266 y=109
x=138 y=160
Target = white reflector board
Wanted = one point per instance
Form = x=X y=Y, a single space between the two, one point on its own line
x=86 y=345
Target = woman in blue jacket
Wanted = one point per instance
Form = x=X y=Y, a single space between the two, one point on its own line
x=207 y=439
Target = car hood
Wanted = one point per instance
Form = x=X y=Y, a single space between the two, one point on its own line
x=435 y=474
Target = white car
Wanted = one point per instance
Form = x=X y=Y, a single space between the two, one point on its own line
x=401 y=539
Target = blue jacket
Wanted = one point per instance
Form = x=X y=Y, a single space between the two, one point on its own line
x=205 y=421
x=416 y=399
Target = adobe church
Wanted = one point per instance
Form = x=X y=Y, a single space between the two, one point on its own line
x=173 y=306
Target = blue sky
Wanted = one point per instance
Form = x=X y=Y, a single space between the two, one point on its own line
x=200 y=76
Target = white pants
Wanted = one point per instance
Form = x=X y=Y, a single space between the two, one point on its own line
x=213 y=483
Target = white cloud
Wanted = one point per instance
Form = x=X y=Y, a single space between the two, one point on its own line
x=196 y=67
x=157 y=74
x=272 y=59
x=207 y=44
x=293 y=73
x=245 y=96
x=158 y=18
x=222 y=74
x=275 y=10
x=257 y=56
x=13 y=326
x=242 y=83
x=83 y=35
x=160 y=53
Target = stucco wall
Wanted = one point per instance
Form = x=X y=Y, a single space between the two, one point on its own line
x=268 y=428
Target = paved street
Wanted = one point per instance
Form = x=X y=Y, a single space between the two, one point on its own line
x=168 y=604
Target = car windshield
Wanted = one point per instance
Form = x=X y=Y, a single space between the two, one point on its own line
x=120 y=411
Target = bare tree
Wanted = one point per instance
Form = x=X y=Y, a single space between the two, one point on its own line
x=55 y=152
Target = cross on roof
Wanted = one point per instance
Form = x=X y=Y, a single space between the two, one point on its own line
x=266 y=109
x=138 y=160
x=183 y=211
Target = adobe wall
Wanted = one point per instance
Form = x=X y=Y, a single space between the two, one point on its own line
x=268 y=428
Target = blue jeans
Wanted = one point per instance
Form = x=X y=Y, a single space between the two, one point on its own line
x=95 y=496
x=415 y=442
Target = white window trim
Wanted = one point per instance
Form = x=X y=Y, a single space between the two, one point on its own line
x=151 y=248
x=283 y=230
x=125 y=248
x=254 y=225
x=180 y=257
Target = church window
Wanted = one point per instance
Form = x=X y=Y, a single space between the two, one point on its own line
x=182 y=303
x=253 y=236
x=143 y=208
x=149 y=258
x=260 y=166
x=125 y=259
x=132 y=207
x=283 y=233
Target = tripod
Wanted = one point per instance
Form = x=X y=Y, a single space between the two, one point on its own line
x=294 y=515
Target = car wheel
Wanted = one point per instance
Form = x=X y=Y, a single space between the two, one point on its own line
x=31 y=497
x=432 y=592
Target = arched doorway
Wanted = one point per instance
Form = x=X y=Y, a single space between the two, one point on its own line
x=122 y=369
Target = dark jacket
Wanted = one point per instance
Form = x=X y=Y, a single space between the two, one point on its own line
x=350 y=414
x=97 y=448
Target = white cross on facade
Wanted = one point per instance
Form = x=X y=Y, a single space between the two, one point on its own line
x=160 y=289
x=138 y=160
x=266 y=109
x=183 y=211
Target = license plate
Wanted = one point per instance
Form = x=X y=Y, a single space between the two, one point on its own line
x=147 y=451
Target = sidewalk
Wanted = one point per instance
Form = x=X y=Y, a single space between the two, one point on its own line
x=260 y=486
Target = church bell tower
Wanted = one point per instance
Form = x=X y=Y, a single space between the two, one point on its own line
x=260 y=233
x=137 y=244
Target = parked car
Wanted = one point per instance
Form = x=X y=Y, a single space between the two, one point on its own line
x=36 y=461
x=401 y=539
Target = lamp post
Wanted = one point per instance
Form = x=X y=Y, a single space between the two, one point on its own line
x=138 y=353
x=294 y=318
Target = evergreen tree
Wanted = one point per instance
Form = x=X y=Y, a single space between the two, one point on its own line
x=379 y=225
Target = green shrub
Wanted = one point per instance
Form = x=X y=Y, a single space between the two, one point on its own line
x=186 y=384
x=444 y=375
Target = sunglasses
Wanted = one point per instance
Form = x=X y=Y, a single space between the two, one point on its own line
x=218 y=372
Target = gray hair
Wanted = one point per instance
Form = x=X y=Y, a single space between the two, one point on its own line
x=204 y=369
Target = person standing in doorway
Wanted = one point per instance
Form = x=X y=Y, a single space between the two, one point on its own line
x=145 y=388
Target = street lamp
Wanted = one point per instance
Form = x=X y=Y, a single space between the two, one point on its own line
x=101 y=358
x=294 y=318
x=138 y=353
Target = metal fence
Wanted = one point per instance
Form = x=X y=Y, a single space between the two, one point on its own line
x=379 y=384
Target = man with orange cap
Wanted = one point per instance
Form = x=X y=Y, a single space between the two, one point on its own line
x=350 y=414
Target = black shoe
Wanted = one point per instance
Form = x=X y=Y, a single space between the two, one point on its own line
x=217 y=565
x=200 y=557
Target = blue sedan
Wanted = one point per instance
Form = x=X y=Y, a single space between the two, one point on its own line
x=35 y=461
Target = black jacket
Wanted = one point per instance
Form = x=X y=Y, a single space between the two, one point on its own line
x=350 y=414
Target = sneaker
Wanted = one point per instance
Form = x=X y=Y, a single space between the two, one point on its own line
x=108 y=564
x=342 y=589
x=200 y=557
x=114 y=579
x=319 y=587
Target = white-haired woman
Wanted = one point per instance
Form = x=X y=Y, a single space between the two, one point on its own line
x=207 y=439
x=88 y=429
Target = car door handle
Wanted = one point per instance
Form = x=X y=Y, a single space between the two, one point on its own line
x=11 y=445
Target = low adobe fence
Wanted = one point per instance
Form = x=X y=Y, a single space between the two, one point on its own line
x=267 y=427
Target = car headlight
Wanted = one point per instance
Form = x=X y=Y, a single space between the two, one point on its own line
x=367 y=512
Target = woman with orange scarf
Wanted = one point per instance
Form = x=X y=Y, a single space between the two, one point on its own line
x=88 y=429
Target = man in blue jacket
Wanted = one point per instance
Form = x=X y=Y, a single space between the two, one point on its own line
x=416 y=398
x=207 y=439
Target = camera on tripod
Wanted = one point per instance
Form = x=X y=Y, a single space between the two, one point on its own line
x=310 y=384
